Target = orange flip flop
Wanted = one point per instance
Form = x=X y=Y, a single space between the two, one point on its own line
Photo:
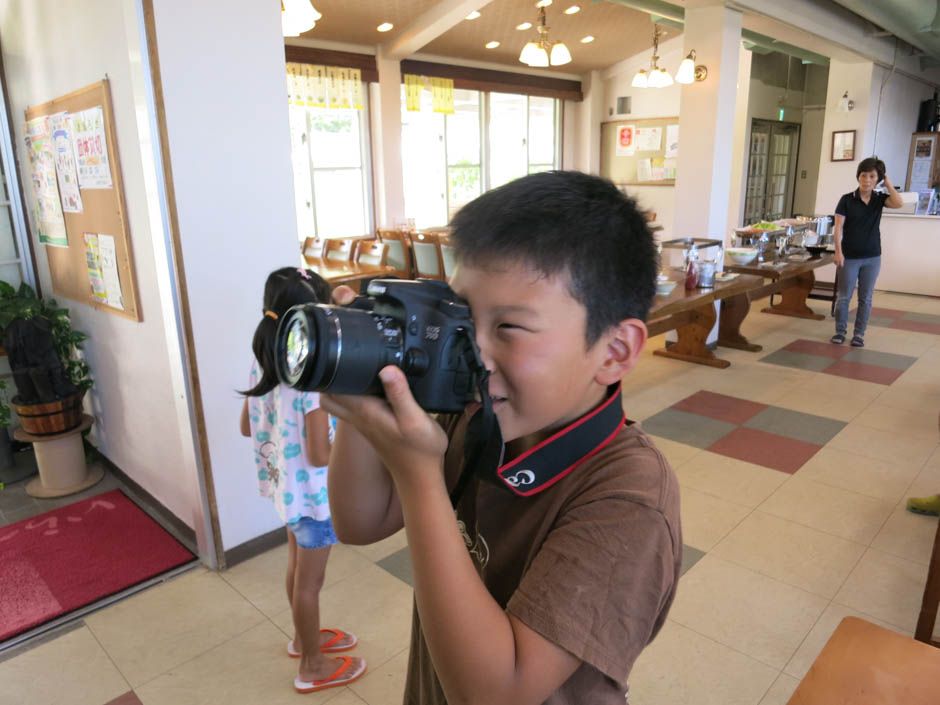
x=343 y=675
x=329 y=647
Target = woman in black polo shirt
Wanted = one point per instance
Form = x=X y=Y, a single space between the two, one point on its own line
x=858 y=245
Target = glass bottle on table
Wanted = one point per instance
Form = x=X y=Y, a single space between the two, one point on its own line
x=691 y=268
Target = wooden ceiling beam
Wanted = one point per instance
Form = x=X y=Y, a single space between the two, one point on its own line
x=429 y=26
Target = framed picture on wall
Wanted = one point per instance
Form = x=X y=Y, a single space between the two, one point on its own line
x=843 y=146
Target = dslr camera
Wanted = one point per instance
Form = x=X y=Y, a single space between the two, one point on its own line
x=421 y=326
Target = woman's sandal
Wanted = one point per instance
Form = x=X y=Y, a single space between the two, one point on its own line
x=857 y=342
x=344 y=675
x=837 y=339
x=329 y=647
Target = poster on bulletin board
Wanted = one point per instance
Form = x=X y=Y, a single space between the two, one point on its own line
x=641 y=153
x=79 y=200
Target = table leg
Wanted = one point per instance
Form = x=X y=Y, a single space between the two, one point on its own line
x=733 y=311
x=793 y=299
x=691 y=346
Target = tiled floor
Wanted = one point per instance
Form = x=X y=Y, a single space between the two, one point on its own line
x=921 y=322
x=777 y=552
x=842 y=360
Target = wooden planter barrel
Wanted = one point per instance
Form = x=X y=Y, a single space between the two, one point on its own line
x=50 y=417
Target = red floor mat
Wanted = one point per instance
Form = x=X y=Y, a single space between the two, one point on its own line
x=70 y=557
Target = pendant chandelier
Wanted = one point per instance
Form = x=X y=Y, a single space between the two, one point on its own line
x=688 y=71
x=544 y=52
x=656 y=77
x=297 y=17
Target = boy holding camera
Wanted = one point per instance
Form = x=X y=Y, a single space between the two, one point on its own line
x=564 y=557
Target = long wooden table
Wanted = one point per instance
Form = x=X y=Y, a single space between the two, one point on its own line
x=692 y=315
x=793 y=280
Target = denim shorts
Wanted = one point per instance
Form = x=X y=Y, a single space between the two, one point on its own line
x=311 y=533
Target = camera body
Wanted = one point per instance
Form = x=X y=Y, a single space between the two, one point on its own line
x=421 y=326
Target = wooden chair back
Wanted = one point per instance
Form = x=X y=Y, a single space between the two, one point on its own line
x=312 y=248
x=427 y=251
x=374 y=252
x=339 y=249
x=447 y=254
x=399 y=252
x=865 y=664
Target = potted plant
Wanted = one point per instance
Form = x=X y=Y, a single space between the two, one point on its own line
x=50 y=374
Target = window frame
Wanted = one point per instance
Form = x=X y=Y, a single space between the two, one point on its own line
x=365 y=166
x=484 y=122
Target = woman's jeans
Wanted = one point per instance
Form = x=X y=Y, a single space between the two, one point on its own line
x=865 y=271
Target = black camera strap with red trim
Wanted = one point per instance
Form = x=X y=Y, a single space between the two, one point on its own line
x=544 y=464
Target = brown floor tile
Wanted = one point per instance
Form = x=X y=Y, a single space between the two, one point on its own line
x=863 y=372
x=720 y=406
x=768 y=449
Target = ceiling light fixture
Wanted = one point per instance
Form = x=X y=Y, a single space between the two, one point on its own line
x=297 y=17
x=587 y=40
x=689 y=71
x=524 y=25
x=572 y=10
x=655 y=77
x=543 y=3
x=472 y=16
x=385 y=27
x=492 y=45
x=544 y=52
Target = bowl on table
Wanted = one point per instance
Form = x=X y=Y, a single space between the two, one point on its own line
x=816 y=250
x=741 y=255
x=664 y=287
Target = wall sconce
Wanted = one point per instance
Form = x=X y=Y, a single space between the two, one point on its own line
x=689 y=72
x=846 y=105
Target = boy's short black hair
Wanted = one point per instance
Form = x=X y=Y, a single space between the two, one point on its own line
x=566 y=221
x=871 y=164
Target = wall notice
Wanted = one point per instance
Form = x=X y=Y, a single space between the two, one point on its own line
x=91 y=149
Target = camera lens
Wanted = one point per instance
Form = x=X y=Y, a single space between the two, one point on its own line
x=297 y=346
x=326 y=348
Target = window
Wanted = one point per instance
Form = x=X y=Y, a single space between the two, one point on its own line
x=15 y=267
x=489 y=140
x=330 y=158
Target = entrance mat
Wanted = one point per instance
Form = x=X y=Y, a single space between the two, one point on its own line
x=73 y=556
x=842 y=361
x=770 y=436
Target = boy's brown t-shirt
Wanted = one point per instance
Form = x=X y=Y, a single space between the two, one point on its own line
x=590 y=563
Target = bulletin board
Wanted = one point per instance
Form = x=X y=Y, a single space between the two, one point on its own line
x=103 y=212
x=631 y=159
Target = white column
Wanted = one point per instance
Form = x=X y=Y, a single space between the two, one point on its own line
x=707 y=123
x=388 y=182
x=739 y=155
x=589 y=123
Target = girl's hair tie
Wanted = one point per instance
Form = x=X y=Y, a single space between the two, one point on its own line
x=271 y=314
x=303 y=272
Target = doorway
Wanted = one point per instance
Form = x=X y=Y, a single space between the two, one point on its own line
x=771 y=170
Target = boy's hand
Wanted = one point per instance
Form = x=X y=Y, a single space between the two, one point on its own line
x=405 y=437
x=343 y=295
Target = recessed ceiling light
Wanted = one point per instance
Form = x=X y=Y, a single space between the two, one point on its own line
x=385 y=26
x=587 y=40
x=543 y=3
x=472 y=16
x=573 y=9
x=524 y=25
x=492 y=45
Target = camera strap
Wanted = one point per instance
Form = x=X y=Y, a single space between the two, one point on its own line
x=544 y=464
x=483 y=444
